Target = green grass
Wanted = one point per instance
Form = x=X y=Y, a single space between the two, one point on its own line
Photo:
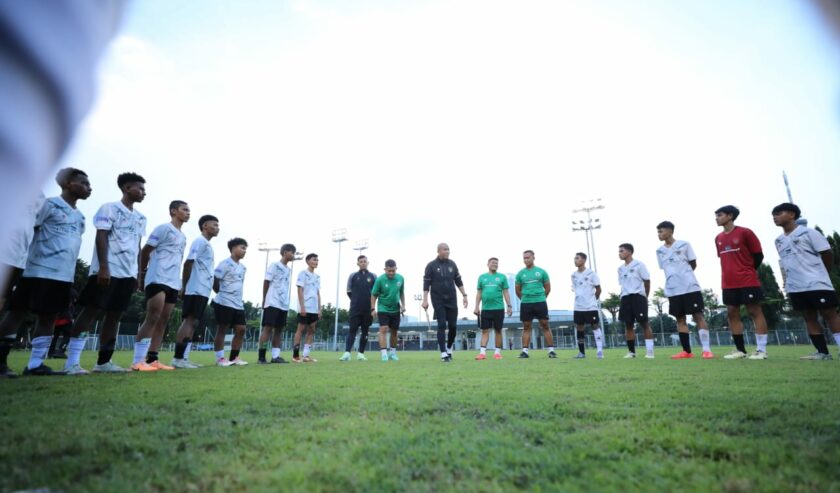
x=419 y=425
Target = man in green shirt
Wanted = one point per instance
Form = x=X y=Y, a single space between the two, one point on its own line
x=532 y=287
x=491 y=297
x=389 y=289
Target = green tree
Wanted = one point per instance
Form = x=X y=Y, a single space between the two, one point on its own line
x=326 y=326
x=834 y=272
x=611 y=305
x=774 y=301
x=715 y=318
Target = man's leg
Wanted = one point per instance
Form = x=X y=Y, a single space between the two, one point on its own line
x=485 y=338
x=41 y=337
x=8 y=330
x=383 y=342
x=296 y=348
x=265 y=335
x=757 y=315
x=363 y=339
x=161 y=327
x=733 y=314
x=630 y=337
x=685 y=337
x=219 y=342
x=549 y=338
x=815 y=330
x=236 y=343
x=355 y=323
x=648 y=338
x=498 y=341
x=703 y=332
x=452 y=321
x=143 y=340
x=184 y=336
x=394 y=340
x=310 y=337
x=277 y=344
x=440 y=315
x=581 y=338
x=526 y=338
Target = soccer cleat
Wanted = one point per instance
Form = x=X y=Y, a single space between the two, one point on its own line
x=817 y=356
x=649 y=355
x=309 y=359
x=600 y=354
x=683 y=355
x=361 y=357
x=42 y=371
x=279 y=360
x=552 y=354
x=238 y=362
x=143 y=366
x=629 y=355
x=446 y=359
x=160 y=366
x=109 y=367
x=758 y=355
x=393 y=357
x=481 y=357
x=708 y=355
x=6 y=372
x=523 y=355
x=451 y=358
x=182 y=364
x=76 y=370
x=296 y=359
x=580 y=356
x=223 y=362
x=735 y=355
x=262 y=361
x=384 y=358
x=345 y=357
x=497 y=356
x=193 y=364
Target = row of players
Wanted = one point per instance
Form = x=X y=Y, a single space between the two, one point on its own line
x=119 y=266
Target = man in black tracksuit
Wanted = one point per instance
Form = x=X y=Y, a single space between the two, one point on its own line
x=440 y=280
x=359 y=286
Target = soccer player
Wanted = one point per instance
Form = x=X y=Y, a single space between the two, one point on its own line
x=15 y=249
x=45 y=284
x=113 y=270
x=587 y=287
x=228 y=306
x=309 y=302
x=160 y=276
x=677 y=259
x=276 y=304
x=389 y=289
x=197 y=282
x=491 y=298
x=805 y=257
x=359 y=286
x=440 y=280
x=740 y=256
x=532 y=288
x=635 y=289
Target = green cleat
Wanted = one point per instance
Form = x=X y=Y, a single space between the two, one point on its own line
x=344 y=357
x=393 y=357
x=360 y=357
x=384 y=358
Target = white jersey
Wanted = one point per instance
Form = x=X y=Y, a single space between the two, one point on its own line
x=125 y=229
x=631 y=277
x=165 y=262
x=311 y=284
x=802 y=265
x=583 y=283
x=679 y=276
x=278 y=276
x=231 y=276
x=200 y=282
x=58 y=238
x=16 y=248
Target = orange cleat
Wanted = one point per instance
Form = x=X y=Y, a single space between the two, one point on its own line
x=142 y=366
x=160 y=366
x=480 y=357
x=708 y=355
x=683 y=355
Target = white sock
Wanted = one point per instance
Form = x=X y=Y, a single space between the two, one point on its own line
x=306 y=348
x=40 y=346
x=74 y=351
x=837 y=338
x=220 y=354
x=498 y=351
x=599 y=341
x=649 y=345
x=187 y=351
x=704 y=339
x=761 y=342
x=443 y=355
x=550 y=348
x=449 y=349
x=141 y=349
x=483 y=350
x=393 y=350
x=275 y=352
x=525 y=350
x=384 y=352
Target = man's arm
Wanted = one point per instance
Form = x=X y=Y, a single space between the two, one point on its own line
x=301 y=306
x=598 y=292
x=647 y=288
x=518 y=290
x=828 y=259
x=506 y=295
x=547 y=287
x=266 y=285
x=145 y=255
x=477 y=301
x=216 y=284
x=185 y=277
x=103 y=277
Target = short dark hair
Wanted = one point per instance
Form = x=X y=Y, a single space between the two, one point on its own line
x=729 y=209
x=528 y=251
x=360 y=257
x=788 y=207
x=491 y=259
x=287 y=247
x=236 y=242
x=665 y=225
x=203 y=219
x=581 y=255
x=67 y=174
x=390 y=263
x=311 y=255
x=129 y=178
x=175 y=204
x=627 y=246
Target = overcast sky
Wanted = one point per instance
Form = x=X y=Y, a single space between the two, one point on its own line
x=478 y=123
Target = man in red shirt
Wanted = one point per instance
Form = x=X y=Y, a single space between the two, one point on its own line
x=740 y=255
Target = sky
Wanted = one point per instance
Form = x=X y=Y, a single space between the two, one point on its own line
x=480 y=124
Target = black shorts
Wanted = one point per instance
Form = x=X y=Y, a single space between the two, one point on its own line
x=170 y=295
x=308 y=319
x=360 y=320
x=813 y=300
x=742 y=296
x=42 y=296
x=114 y=297
x=634 y=308
x=390 y=320
x=274 y=318
x=227 y=315
x=686 y=304
x=15 y=274
x=492 y=319
x=194 y=306
x=586 y=317
x=529 y=311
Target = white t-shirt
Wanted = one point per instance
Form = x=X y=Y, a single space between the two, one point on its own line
x=583 y=283
x=231 y=277
x=16 y=248
x=802 y=265
x=679 y=276
x=125 y=229
x=278 y=289
x=200 y=282
x=165 y=261
x=631 y=277
x=58 y=238
x=311 y=284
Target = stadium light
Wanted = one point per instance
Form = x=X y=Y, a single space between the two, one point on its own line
x=338 y=236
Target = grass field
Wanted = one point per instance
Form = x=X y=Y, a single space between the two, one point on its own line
x=419 y=425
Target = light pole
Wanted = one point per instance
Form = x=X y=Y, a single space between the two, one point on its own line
x=338 y=236
x=418 y=298
x=263 y=247
x=587 y=227
x=360 y=246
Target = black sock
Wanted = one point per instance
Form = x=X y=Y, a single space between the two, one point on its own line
x=739 y=342
x=180 y=349
x=685 y=341
x=5 y=347
x=819 y=342
x=631 y=345
x=53 y=343
x=234 y=353
x=581 y=338
x=151 y=357
x=296 y=351
x=261 y=354
x=106 y=350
